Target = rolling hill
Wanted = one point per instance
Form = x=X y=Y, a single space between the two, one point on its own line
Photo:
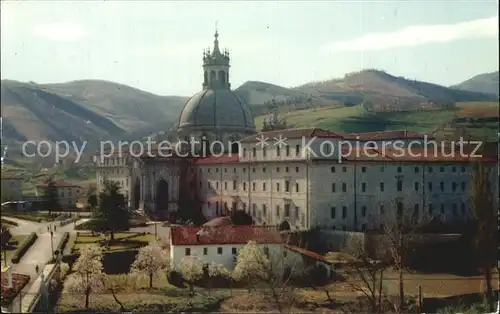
x=382 y=87
x=82 y=110
x=484 y=83
x=96 y=109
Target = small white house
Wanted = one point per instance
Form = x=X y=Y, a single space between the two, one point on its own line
x=220 y=244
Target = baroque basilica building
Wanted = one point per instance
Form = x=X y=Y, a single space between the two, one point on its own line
x=295 y=184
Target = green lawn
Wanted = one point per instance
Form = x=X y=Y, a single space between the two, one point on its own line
x=123 y=240
x=356 y=120
x=35 y=216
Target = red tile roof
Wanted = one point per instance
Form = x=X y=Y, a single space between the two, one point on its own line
x=387 y=135
x=228 y=158
x=60 y=184
x=293 y=134
x=307 y=253
x=182 y=235
x=19 y=281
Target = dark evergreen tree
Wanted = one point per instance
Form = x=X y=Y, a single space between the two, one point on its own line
x=113 y=214
x=51 y=196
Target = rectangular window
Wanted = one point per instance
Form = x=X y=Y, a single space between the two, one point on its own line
x=277 y=187
x=344 y=187
x=417 y=186
x=416 y=211
x=287 y=210
x=244 y=186
x=234 y=185
x=333 y=212
x=234 y=251
x=297 y=187
x=363 y=211
x=399 y=185
x=278 y=151
x=187 y=251
x=381 y=209
x=297 y=150
x=333 y=187
x=287 y=149
x=205 y=251
x=332 y=169
x=381 y=186
x=225 y=186
x=297 y=212
x=263 y=186
x=429 y=186
x=264 y=152
x=463 y=186
x=287 y=186
x=254 y=152
x=441 y=186
x=253 y=186
x=363 y=169
x=363 y=187
x=264 y=210
x=254 y=210
x=296 y=169
x=344 y=212
x=453 y=186
x=416 y=169
x=277 y=211
x=219 y=250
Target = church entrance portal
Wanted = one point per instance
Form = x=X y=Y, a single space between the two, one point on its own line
x=162 y=196
x=136 y=196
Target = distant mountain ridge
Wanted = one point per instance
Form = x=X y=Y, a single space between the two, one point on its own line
x=82 y=110
x=487 y=83
x=96 y=109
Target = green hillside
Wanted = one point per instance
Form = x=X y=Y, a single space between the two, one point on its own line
x=356 y=120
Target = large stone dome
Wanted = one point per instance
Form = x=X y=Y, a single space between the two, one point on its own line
x=219 y=110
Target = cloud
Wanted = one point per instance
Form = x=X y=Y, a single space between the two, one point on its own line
x=419 y=35
x=61 y=31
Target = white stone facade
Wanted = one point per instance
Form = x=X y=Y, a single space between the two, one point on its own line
x=296 y=187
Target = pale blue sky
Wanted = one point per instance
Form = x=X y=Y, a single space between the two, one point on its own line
x=157 y=46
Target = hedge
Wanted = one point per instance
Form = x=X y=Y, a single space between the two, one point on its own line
x=68 y=221
x=9 y=222
x=23 y=248
x=62 y=244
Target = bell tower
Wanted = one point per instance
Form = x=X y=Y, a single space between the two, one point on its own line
x=216 y=67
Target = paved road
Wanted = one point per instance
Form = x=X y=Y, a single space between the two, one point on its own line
x=25 y=226
x=162 y=232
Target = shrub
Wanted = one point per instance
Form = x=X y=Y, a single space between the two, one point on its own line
x=23 y=248
x=68 y=221
x=62 y=244
x=9 y=222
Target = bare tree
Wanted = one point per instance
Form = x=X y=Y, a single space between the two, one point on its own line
x=401 y=231
x=485 y=218
x=269 y=265
x=368 y=273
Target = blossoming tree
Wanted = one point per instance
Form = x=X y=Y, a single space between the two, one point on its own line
x=150 y=261
x=88 y=273
x=192 y=269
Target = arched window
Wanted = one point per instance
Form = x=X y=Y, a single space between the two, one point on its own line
x=222 y=77
x=212 y=76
